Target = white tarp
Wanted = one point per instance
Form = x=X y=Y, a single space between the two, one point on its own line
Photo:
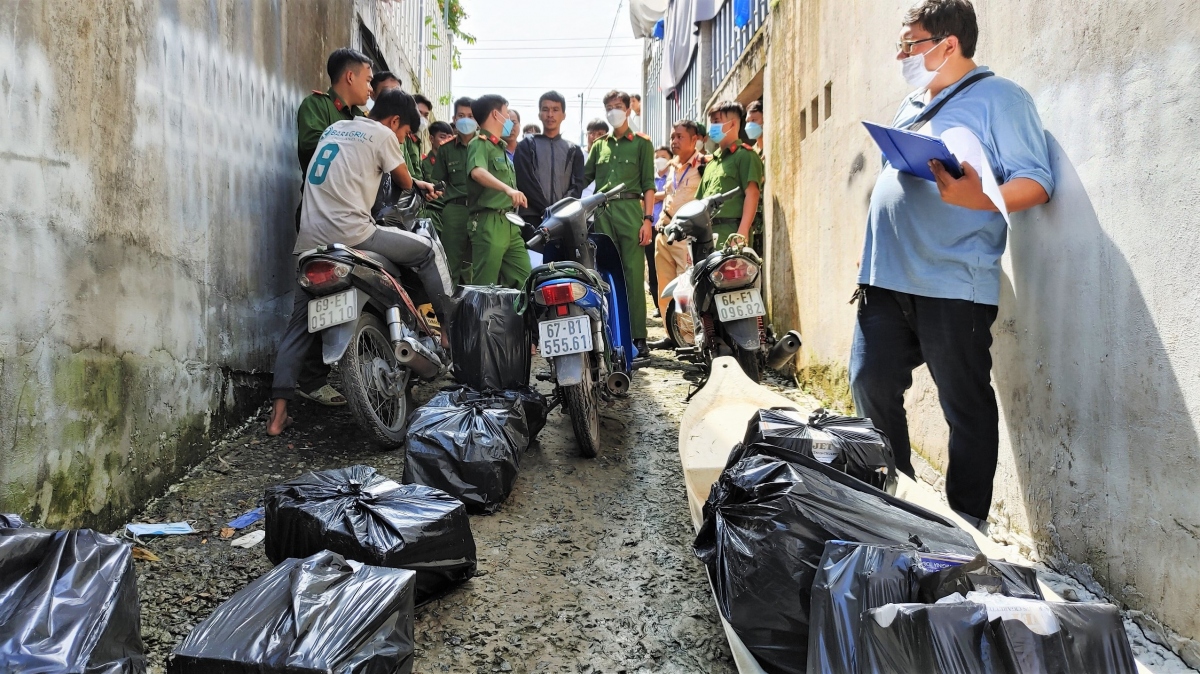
x=643 y=14
x=681 y=35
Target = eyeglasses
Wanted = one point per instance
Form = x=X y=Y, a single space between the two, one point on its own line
x=907 y=45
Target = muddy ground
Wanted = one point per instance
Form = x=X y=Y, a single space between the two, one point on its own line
x=587 y=567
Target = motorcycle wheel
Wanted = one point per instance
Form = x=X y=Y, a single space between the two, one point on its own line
x=376 y=385
x=583 y=407
x=749 y=362
x=679 y=326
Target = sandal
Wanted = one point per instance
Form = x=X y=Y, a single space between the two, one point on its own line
x=326 y=395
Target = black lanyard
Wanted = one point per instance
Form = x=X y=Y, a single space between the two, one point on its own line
x=933 y=110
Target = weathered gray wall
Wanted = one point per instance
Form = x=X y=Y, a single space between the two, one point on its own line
x=148 y=183
x=1096 y=366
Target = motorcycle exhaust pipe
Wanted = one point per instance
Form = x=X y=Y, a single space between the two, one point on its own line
x=617 y=383
x=784 y=350
x=406 y=349
x=408 y=356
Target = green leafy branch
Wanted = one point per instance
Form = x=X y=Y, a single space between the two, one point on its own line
x=457 y=16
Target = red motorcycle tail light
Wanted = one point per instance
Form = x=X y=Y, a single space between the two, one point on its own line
x=733 y=272
x=562 y=293
x=323 y=272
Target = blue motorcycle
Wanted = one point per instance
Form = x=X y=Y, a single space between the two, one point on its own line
x=577 y=299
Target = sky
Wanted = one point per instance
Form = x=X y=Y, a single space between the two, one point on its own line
x=527 y=47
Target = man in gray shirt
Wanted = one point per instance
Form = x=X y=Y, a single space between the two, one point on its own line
x=549 y=167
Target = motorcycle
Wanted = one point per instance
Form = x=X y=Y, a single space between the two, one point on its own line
x=578 y=302
x=716 y=306
x=365 y=309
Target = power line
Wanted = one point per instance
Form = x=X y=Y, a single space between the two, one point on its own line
x=538 y=56
x=561 y=39
x=467 y=50
x=607 y=42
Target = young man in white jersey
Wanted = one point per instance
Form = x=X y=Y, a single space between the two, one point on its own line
x=340 y=188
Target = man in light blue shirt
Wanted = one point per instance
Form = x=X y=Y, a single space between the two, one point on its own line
x=930 y=276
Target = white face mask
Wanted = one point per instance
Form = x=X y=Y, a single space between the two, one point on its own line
x=616 y=117
x=424 y=124
x=660 y=164
x=915 y=72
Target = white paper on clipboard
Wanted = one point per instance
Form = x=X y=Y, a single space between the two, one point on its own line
x=967 y=148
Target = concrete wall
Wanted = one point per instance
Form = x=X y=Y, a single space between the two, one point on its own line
x=148 y=184
x=1097 y=373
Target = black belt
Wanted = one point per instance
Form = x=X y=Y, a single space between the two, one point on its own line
x=457 y=201
x=726 y=221
x=621 y=196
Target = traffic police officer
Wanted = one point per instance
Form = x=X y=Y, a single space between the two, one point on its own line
x=497 y=249
x=625 y=157
x=734 y=164
x=451 y=168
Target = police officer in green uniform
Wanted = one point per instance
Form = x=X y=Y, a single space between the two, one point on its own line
x=497 y=249
x=440 y=133
x=734 y=164
x=349 y=89
x=451 y=168
x=625 y=157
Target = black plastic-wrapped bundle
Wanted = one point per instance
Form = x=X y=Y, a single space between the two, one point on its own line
x=1042 y=637
x=468 y=445
x=319 y=614
x=11 y=521
x=490 y=343
x=68 y=603
x=766 y=522
x=850 y=444
x=930 y=639
x=855 y=577
x=366 y=517
x=979 y=575
x=852 y=578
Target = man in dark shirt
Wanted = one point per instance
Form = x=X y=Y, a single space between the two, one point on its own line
x=549 y=167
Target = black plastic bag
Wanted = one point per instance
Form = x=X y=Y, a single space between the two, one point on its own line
x=468 y=445
x=319 y=614
x=490 y=341
x=366 y=517
x=855 y=577
x=536 y=407
x=765 y=527
x=979 y=575
x=850 y=444
x=1041 y=637
x=11 y=521
x=68 y=603
x=930 y=639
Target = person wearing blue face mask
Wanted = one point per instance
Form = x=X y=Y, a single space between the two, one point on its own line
x=451 y=168
x=754 y=126
x=497 y=249
x=929 y=282
x=733 y=164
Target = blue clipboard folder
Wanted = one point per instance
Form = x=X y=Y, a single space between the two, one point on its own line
x=911 y=152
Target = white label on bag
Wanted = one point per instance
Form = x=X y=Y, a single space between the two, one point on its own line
x=823 y=449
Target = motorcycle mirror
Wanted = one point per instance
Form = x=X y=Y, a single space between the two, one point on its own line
x=515 y=219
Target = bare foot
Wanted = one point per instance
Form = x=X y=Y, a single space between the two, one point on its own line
x=279 y=421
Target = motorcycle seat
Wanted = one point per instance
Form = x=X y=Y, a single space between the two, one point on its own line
x=384 y=263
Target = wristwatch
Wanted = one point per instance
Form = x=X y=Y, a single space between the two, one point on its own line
x=648 y=217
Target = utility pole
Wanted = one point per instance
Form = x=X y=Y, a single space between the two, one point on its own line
x=581 y=139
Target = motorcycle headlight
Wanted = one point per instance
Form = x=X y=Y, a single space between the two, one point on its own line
x=734 y=272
